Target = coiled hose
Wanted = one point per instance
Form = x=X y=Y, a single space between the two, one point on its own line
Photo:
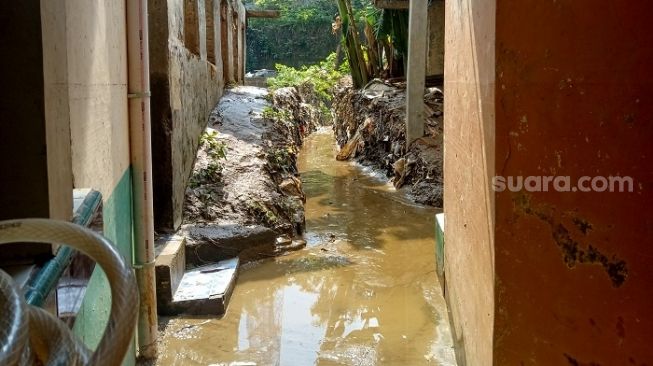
x=29 y=334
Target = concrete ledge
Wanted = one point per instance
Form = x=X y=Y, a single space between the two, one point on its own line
x=214 y=242
x=439 y=247
x=170 y=266
x=205 y=290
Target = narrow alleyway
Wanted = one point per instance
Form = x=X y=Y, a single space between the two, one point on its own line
x=363 y=292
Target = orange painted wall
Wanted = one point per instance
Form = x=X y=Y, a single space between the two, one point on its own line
x=574 y=96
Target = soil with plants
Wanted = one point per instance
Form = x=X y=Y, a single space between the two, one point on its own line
x=244 y=196
x=370 y=128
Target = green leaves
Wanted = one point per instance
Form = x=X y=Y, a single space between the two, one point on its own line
x=216 y=151
x=322 y=77
x=299 y=10
x=214 y=148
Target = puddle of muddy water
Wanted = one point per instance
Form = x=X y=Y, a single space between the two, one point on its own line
x=363 y=292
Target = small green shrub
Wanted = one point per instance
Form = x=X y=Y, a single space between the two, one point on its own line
x=321 y=77
x=214 y=148
x=216 y=151
x=281 y=159
x=275 y=114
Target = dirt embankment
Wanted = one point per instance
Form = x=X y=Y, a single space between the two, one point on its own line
x=370 y=128
x=244 y=197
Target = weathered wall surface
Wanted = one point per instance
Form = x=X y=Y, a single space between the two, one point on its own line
x=57 y=119
x=571 y=275
x=213 y=35
x=186 y=86
x=468 y=166
x=242 y=49
x=573 y=270
x=99 y=125
x=226 y=16
x=435 y=61
x=86 y=90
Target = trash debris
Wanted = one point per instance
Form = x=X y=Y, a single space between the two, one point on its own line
x=370 y=128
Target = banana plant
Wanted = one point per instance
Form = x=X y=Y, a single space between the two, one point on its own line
x=351 y=41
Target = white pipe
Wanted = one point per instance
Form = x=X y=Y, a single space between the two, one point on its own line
x=141 y=163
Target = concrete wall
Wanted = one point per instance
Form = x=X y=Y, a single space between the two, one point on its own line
x=435 y=56
x=468 y=167
x=57 y=107
x=213 y=35
x=226 y=15
x=185 y=88
x=97 y=63
x=86 y=95
x=64 y=124
x=235 y=51
x=242 y=47
x=573 y=97
x=65 y=117
x=548 y=88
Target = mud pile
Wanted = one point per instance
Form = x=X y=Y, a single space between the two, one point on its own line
x=369 y=125
x=244 y=196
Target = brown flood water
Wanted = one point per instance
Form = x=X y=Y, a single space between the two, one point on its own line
x=363 y=292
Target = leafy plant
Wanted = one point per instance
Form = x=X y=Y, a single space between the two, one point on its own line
x=216 y=151
x=392 y=32
x=386 y=35
x=276 y=114
x=351 y=41
x=214 y=148
x=321 y=77
x=302 y=35
x=208 y=174
x=281 y=159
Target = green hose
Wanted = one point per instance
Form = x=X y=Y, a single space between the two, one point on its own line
x=40 y=287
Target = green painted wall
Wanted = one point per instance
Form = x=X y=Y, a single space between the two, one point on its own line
x=94 y=313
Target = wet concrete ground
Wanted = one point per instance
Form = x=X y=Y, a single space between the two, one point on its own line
x=364 y=291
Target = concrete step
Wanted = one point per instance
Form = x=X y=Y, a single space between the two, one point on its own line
x=170 y=267
x=205 y=290
x=201 y=291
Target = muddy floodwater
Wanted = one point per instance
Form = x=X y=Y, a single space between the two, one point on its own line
x=363 y=292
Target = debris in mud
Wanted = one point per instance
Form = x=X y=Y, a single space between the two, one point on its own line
x=369 y=125
x=244 y=190
x=315 y=262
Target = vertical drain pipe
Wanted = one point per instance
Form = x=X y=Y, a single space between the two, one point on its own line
x=141 y=163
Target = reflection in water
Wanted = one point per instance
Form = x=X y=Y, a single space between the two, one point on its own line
x=364 y=292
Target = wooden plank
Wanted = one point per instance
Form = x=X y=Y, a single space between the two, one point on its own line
x=418 y=31
x=391 y=4
x=263 y=13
